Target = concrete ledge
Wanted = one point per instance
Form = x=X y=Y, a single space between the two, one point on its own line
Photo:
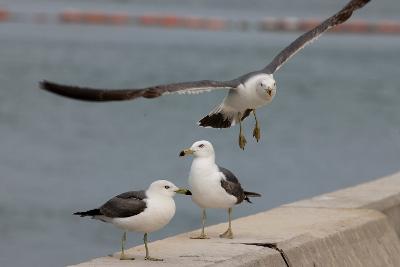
x=381 y=195
x=351 y=227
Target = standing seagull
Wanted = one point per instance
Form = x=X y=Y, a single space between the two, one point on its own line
x=245 y=93
x=139 y=211
x=213 y=186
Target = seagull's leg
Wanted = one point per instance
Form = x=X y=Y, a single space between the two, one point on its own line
x=228 y=233
x=148 y=258
x=256 y=131
x=242 y=139
x=203 y=221
x=123 y=256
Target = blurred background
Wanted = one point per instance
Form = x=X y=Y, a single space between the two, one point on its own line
x=334 y=122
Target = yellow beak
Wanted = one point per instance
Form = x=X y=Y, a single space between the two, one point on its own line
x=183 y=191
x=185 y=152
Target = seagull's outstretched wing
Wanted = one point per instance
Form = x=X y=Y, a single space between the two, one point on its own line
x=312 y=35
x=100 y=95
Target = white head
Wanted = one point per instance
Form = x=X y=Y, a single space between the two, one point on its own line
x=201 y=148
x=165 y=188
x=265 y=86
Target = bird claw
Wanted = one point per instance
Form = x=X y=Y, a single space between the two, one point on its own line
x=242 y=141
x=227 y=234
x=202 y=236
x=152 y=259
x=257 y=133
x=123 y=257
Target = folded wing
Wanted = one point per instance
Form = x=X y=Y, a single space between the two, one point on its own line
x=125 y=205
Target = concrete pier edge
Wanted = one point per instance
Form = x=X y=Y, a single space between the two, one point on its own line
x=355 y=226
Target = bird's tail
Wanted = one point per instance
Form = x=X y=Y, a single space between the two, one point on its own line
x=222 y=117
x=94 y=212
x=218 y=118
x=250 y=194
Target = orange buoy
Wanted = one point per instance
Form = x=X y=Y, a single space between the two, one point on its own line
x=70 y=16
x=119 y=19
x=308 y=24
x=168 y=21
x=147 y=20
x=94 y=17
x=194 y=23
x=4 y=15
x=389 y=27
x=353 y=27
x=215 y=24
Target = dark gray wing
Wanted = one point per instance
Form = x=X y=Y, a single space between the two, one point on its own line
x=308 y=37
x=125 y=205
x=231 y=184
x=102 y=95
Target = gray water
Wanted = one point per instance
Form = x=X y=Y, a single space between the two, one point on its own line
x=334 y=122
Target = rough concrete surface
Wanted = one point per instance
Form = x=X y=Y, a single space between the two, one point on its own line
x=382 y=195
x=351 y=227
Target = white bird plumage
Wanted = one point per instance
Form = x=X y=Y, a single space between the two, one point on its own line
x=205 y=179
x=213 y=186
x=139 y=211
x=160 y=209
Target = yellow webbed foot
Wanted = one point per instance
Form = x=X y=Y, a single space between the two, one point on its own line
x=257 y=133
x=123 y=257
x=201 y=236
x=242 y=141
x=152 y=259
x=227 y=234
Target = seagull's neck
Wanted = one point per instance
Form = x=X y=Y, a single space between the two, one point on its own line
x=151 y=194
x=204 y=164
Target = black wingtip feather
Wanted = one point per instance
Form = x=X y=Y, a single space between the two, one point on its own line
x=93 y=94
x=48 y=86
x=93 y=212
x=77 y=93
x=252 y=194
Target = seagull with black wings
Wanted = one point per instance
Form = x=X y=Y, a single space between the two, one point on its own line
x=142 y=211
x=245 y=93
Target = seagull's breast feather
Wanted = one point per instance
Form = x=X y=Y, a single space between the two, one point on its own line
x=246 y=95
x=205 y=185
x=158 y=213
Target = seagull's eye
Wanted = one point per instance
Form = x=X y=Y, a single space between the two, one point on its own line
x=166 y=187
x=201 y=146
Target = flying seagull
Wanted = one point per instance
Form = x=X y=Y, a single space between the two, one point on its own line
x=245 y=93
x=213 y=186
x=139 y=211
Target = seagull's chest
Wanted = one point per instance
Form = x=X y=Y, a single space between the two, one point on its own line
x=207 y=192
x=245 y=98
x=158 y=213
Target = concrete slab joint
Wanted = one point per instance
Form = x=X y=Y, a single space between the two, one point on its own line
x=275 y=247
